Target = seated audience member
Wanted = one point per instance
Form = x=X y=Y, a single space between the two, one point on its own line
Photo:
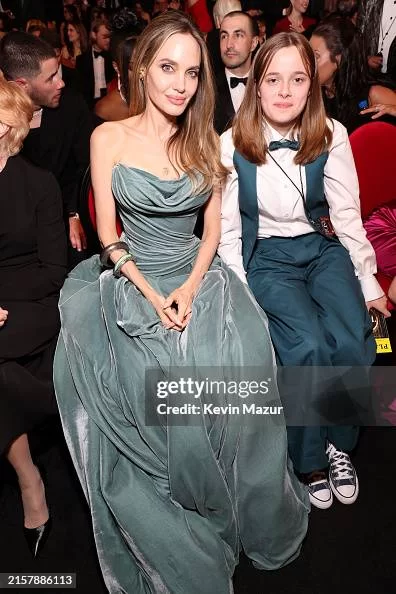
x=32 y=270
x=76 y=42
x=238 y=40
x=349 y=9
x=35 y=30
x=273 y=12
x=174 y=5
x=262 y=28
x=291 y=228
x=220 y=9
x=295 y=19
x=381 y=231
x=348 y=87
x=198 y=11
x=143 y=16
x=60 y=128
x=70 y=15
x=124 y=32
x=94 y=66
x=376 y=21
x=67 y=74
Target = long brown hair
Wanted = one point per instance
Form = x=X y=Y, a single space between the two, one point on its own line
x=314 y=133
x=194 y=145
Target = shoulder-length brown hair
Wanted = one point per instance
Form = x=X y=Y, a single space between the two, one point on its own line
x=194 y=146
x=312 y=128
x=16 y=111
x=82 y=34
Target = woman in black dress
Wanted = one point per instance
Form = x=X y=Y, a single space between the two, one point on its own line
x=32 y=269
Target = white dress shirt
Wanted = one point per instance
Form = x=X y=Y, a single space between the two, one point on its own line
x=99 y=74
x=387 y=31
x=281 y=210
x=238 y=92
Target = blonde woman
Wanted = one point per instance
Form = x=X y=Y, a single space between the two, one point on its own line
x=172 y=499
x=32 y=269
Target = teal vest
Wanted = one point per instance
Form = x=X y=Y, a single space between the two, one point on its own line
x=316 y=206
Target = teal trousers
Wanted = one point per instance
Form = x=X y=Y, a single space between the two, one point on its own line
x=317 y=317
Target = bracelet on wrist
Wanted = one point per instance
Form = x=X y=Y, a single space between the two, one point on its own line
x=112 y=247
x=120 y=263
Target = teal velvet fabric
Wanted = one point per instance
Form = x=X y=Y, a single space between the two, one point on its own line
x=171 y=506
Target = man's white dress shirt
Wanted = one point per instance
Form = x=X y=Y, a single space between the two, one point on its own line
x=281 y=210
x=99 y=74
x=238 y=92
x=388 y=25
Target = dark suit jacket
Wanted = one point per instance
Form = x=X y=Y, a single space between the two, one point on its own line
x=224 y=109
x=69 y=76
x=61 y=145
x=369 y=23
x=86 y=77
x=213 y=43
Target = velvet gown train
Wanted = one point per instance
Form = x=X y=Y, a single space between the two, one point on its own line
x=171 y=505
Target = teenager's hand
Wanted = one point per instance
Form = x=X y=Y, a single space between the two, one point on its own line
x=380 y=305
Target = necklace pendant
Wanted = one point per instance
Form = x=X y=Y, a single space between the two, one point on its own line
x=165 y=171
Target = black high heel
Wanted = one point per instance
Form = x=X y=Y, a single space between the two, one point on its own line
x=37 y=537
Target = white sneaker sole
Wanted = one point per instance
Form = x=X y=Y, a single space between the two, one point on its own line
x=342 y=498
x=319 y=503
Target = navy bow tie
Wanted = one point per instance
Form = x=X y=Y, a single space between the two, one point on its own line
x=98 y=54
x=294 y=145
x=234 y=81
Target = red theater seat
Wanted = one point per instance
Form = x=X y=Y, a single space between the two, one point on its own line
x=373 y=147
x=92 y=212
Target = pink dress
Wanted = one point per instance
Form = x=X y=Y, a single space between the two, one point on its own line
x=381 y=231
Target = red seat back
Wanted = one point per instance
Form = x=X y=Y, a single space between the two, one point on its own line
x=374 y=151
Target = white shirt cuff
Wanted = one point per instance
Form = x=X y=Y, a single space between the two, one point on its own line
x=371 y=288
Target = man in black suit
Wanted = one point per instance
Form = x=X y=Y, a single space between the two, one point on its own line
x=61 y=126
x=377 y=23
x=238 y=41
x=95 y=67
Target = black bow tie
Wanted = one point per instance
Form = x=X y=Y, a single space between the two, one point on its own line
x=294 y=145
x=98 y=54
x=234 y=81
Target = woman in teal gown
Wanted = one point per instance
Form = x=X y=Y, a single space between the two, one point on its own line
x=173 y=501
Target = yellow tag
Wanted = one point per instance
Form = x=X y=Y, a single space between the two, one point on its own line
x=383 y=345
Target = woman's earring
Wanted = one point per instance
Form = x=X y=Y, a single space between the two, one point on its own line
x=142 y=73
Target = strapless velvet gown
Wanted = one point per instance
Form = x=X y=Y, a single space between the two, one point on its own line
x=172 y=506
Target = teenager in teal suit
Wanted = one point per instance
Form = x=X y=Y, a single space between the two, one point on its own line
x=291 y=227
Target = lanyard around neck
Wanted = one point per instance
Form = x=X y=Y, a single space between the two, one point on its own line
x=299 y=190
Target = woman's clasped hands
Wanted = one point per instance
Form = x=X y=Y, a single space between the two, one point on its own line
x=175 y=310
